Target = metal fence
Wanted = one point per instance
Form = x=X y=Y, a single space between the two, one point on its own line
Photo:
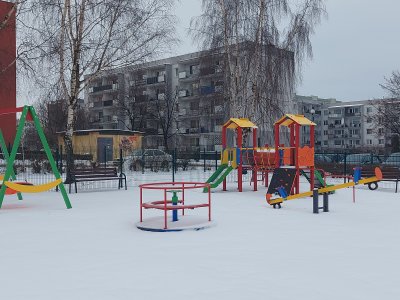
x=148 y=165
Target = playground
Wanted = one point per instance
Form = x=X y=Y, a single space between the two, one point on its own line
x=254 y=252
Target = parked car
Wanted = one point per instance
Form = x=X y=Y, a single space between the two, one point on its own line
x=149 y=158
x=361 y=159
x=322 y=158
x=393 y=160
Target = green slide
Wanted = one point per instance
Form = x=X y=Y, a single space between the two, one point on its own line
x=320 y=180
x=218 y=176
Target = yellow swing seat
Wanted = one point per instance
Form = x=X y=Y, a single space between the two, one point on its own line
x=24 y=188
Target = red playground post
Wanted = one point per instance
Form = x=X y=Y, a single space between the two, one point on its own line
x=301 y=158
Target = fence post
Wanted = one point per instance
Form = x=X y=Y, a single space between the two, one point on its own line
x=61 y=161
x=173 y=165
x=105 y=156
x=216 y=159
x=204 y=159
x=345 y=167
x=120 y=161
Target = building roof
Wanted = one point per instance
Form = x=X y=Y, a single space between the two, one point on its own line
x=289 y=119
x=105 y=132
x=234 y=123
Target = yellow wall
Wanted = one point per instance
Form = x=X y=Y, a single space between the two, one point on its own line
x=87 y=144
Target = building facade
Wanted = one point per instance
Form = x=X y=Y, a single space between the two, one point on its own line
x=343 y=126
x=8 y=73
x=133 y=98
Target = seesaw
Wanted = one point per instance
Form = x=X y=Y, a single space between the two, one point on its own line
x=276 y=202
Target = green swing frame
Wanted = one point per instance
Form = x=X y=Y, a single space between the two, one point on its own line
x=27 y=112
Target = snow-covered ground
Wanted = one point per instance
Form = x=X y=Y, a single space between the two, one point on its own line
x=94 y=250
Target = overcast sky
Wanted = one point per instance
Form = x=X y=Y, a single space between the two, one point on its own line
x=354 y=49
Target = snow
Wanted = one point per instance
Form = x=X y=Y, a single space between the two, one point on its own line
x=94 y=250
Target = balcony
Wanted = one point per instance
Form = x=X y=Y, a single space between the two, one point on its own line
x=207 y=90
x=152 y=80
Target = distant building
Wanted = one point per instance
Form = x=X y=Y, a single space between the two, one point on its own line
x=196 y=80
x=342 y=126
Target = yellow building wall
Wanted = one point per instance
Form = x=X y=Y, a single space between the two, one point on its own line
x=87 y=144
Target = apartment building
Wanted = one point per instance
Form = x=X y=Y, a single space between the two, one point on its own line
x=194 y=84
x=342 y=126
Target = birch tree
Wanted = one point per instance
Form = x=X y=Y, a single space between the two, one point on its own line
x=80 y=40
x=264 y=43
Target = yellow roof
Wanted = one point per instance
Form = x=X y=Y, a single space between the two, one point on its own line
x=234 y=123
x=289 y=119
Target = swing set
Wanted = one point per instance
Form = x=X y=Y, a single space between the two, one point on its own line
x=9 y=185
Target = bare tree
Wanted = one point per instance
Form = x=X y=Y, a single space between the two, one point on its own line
x=387 y=111
x=52 y=112
x=132 y=109
x=264 y=44
x=82 y=39
x=19 y=9
x=165 y=113
x=392 y=85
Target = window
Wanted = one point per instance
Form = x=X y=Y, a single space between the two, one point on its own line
x=108 y=103
x=337 y=143
x=194 y=123
x=337 y=111
x=369 y=120
x=194 y=105
x=369 y=109
x=195 y=142
x=369 y=131
x=325 y=143
x=326 y=112
x=337 y=122
x=325 y=132
x=381 y=141
x=380 y=131
x=176 y=72
x=369 y=142
x=357 y=142
x=326 y=122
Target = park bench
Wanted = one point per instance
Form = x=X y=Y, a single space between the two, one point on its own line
x=391 y=174
x=96 y=174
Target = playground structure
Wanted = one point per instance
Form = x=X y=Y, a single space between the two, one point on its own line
x=301 y=158
x=175 y=205
x=290 y=181
x=9 y=185
x=241 y=158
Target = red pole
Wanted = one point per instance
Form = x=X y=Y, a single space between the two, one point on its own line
x=223 y=149
x=312 y=148
x=141 y=205
x=297 y=143
x=183 y=198
x=292 y=144
x=165 y=209
x=276 y=132
x=240 y=166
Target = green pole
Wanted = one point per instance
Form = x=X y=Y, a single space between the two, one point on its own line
x=13 y=153
x=6 y=158
x=49 y=155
